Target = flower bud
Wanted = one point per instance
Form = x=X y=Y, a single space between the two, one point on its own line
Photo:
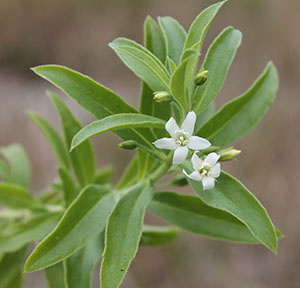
x=201 y=77
x=229 y=154
x=128 y=145
x=162 y=97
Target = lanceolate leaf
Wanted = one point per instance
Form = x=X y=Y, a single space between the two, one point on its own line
x=117 y=122
x=143 y=63
x=179 y=84
x=17 y=235
x=232 y=197
x=58 y=146
x=196 y=35
x=200 y=25
x=174 y=37
x=18 y=171
x=11 y=269
x=190 y=213
x=82 y=221
x=158 y=235
x=218 y=60
x=204 y=116
x=80 y=266
x=83 y=158
x=241 y=115
x=123 y=233
x=105 y=175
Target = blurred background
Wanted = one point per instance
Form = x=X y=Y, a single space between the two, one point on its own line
x=76 y=33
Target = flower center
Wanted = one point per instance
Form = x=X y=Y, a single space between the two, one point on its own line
x=204 y=170
x=181 y=137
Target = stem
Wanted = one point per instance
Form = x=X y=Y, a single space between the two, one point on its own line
x=161 y=171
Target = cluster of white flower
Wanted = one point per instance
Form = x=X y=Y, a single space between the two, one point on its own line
x=182 y=140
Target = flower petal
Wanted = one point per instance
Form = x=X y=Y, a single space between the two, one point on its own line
x=180 y=154
x=171 y=127
x=189 y=123
x=196 y=161
x=165 y=143
x=216 y=170
x=211 y=159
x=195 y=175
x=208 y=183
x=198 y=143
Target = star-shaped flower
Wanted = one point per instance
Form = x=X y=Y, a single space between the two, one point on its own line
x=182 y=139
x=205 y=170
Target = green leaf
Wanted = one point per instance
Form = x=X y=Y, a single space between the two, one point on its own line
x=241 y=115
x=204 y=116
x=83 y=158
x=55 y=276
x=80 y=266
x=231 y=196
x=191 y=214
x=104 y=175
x=179 y=84
x=95 y=98
x=123 y=233
x=200 y=25
x=196 y=35
x=174 y=37
x=172 y=66
x=217 y=61
x=158 y=235
x=116 y=122
x=15 y=196
x=130 y=175
x=5 y=173
x=143 y=63
x=82 y=221
x=18 y=165
x=11 y=269
x=58 y=146
x=18 y=234
x=68 y=185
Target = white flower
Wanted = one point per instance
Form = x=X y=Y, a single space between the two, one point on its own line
x=182 y=139
x=206 y=170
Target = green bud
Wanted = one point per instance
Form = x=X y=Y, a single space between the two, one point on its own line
x=201 y=77
x=179 y=180
x=128 y=145
x=229 y=154
x=162 y=97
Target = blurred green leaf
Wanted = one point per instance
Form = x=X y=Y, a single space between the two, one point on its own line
x=123 y=233
x=190 y=213
x=18 y=170
x=11 y=269
x=143 y=63
x=231 y=196
x=174 y=35
x=241 y=115
x=83 y=158
x=158 y=235
x=55 y=276
x=57 y=145
x=15 y=196
x=130 y=175
x=217 y=62
x=80 y=266
x=82 y=221
x=105 y=175
x=69 y=189
x=18 y=234
x=116 y=122
x=204 y=116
